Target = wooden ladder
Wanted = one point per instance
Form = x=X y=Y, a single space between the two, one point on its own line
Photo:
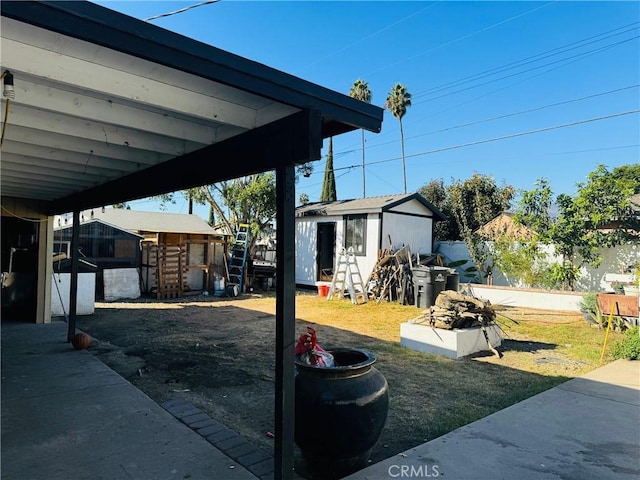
x=347 y=277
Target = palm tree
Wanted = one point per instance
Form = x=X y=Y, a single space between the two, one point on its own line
x=360 y=91
x=397 y=102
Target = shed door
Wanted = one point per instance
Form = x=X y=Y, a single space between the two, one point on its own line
x=326 y=251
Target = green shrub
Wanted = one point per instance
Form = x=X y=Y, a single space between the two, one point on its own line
x=629 y=346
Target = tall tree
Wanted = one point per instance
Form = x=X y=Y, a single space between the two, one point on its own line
x=534 y=207
x=329 y=193
x=250 y=200
x=474 y=202
x=599 y=215
x=360 y=91
x=436 y=192
x=398 y=100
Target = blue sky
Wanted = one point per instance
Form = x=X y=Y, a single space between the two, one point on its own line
x=538 y=65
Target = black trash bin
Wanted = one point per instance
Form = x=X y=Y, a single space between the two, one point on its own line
x=422 y=287
x=453 y=281
x=439 y=281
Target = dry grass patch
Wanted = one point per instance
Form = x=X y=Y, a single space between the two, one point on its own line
x=219 y=353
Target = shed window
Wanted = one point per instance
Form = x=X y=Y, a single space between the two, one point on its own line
x=356 y=233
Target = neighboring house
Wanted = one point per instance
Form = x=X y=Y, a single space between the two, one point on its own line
x=366 y=224
x=504 y=226
x=176 y=253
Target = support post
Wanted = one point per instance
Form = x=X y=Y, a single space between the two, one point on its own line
x=73 y=287
x=285 y=323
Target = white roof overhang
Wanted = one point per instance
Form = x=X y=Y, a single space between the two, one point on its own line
x=109 y=108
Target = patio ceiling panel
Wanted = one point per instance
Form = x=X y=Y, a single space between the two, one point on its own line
x=84 y=115
x=100 y=96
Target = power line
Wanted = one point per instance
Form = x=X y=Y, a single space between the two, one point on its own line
x=574 y=57
x=495 y=139
x=464 y=37
x=377 y=32
x=586 y=54
x=207 y=2
x=512 y=114
x=527 y=60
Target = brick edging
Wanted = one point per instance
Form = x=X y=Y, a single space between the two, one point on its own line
x=254 y=459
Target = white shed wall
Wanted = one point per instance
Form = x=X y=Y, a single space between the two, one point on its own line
x=306 y=233
x=306 y=244
x=366 y=263
x=412 y=206
x=408 y=230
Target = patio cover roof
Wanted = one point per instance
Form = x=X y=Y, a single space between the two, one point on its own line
x=109 y=108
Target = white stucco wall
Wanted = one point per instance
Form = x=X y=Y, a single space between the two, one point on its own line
x=530 y=298
x=85 y=304
x=615 y=260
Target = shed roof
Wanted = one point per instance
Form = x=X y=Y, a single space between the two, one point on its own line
x=88 y=222
x=158 y=222
x=365 y=205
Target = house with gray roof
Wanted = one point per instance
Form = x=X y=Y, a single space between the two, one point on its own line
x=368 y=225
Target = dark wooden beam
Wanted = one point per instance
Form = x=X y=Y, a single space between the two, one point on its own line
x=285 y=322
x=73 y=286
x=293 y=140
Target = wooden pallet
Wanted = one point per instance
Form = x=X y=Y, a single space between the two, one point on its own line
x=171 y=271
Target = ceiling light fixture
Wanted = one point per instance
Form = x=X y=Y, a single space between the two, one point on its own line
x=8 y=90
x=9 y=93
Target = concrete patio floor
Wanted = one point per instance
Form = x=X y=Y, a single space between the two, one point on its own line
x=65 y=415
x=585 y=429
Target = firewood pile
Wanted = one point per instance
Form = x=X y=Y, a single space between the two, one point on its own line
x=391 y=278
x=455 y=310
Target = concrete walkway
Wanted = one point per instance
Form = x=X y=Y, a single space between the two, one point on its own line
x=585 y=429
x=65 y=415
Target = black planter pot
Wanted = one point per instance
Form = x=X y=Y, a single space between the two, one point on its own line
x=340 y=412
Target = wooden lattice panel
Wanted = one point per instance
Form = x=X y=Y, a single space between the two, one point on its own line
x=171 y=271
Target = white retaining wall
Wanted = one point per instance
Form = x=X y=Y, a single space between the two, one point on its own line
x=530 y=298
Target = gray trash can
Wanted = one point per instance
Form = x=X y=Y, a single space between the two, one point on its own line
x=422 y=287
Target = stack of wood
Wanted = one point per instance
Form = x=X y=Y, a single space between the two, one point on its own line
x=455 y=310
x=391 y=277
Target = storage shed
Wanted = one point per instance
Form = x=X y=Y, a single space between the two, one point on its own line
x=104 y=245
x=366 y=224
x=175 y=253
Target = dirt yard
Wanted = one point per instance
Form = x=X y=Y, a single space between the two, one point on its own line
x=219 y=354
